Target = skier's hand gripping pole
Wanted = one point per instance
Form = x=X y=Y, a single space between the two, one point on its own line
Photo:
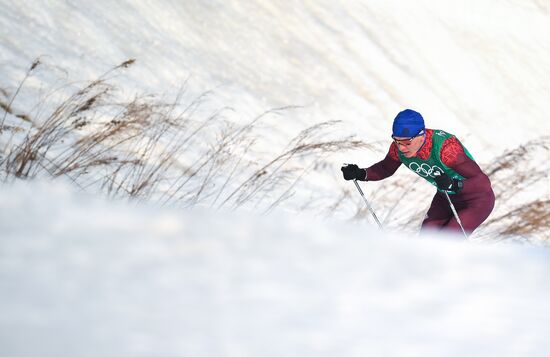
x=353 y=172
x=437 y=174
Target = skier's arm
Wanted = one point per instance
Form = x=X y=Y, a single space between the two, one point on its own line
x=386 y=167
x=453 y=155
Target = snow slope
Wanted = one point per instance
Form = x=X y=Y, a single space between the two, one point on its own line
x=477 y=69
x=84 y=277
x=474 y=68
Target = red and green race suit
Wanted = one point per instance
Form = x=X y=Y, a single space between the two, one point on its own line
x=443 y=152
x=427 y=168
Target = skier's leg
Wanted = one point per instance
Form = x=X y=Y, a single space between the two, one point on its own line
x=471 y=214
x=438 y=215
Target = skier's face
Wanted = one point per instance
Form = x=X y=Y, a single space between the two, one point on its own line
x=409 y=146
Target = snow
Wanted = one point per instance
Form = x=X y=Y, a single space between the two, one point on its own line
x=86 y=277
x=82 y=276
x=362 y=62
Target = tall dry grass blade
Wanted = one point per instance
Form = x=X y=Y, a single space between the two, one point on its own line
x=7 y=110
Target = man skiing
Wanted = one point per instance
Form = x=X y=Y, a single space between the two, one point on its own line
x=442 y=160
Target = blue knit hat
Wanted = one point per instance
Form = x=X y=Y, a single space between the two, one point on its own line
x=407 y=124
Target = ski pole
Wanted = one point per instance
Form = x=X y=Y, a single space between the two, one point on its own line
x=367 y=203
x=455 y=213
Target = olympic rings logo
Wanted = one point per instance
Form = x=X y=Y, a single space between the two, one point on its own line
x=425 y=170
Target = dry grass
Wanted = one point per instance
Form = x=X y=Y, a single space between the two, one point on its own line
x=529 y=219
x=520 y=182
x=517 y=169
x=148 y=149
x=7 y=106
x=164 y=152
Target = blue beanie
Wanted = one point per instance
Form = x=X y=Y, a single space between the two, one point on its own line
x=407 y=124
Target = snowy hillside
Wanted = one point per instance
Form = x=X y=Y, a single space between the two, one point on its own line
x=475 y=67
x=83 y=277
x=461 y=65
x=258 y=256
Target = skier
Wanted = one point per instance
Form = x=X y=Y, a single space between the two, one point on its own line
x=442 y=160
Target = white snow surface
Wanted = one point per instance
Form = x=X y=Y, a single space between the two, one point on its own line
x=85 y=277
x=476 y=68
x=80 y=276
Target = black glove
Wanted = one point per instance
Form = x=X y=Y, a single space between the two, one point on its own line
x=353 y=172
x=446 y=183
